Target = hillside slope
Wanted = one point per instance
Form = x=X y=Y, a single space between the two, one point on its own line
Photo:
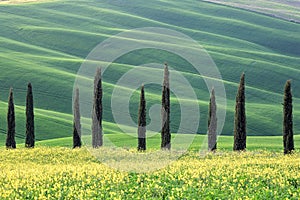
x=45 y=43
x=288 y=10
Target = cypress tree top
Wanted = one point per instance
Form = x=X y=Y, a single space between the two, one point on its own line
x=166 y=82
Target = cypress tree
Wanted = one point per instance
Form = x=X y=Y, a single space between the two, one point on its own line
x=240 y=118
x=212 y=122
x=97 y=136
x=288 y=135
x=76 y=122
x=10 y=139
x=142 y=122
x=30 y=137
x=165 y=112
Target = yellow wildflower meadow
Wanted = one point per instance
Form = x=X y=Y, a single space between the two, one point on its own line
x=61 y=173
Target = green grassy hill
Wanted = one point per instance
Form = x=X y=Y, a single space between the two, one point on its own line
x=45 y=43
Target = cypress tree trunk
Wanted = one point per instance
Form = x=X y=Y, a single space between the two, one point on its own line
x=288 y=135
x=212 y=123
x=10 y=139
x=142 y=122
x=165 y=112
x=30 y=137
x=76 y=122
x=240 y=118
x=97 y=137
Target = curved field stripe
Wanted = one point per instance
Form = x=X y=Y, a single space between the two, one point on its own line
x=34 y=47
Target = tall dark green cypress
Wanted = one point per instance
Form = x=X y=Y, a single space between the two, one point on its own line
x=212 y=122
x=97 y=136
x=240 y=118
x=30 y=137
x=165 y=112
x=76 y=122
x=288 y=135
x=142 y=122
x=10 y=139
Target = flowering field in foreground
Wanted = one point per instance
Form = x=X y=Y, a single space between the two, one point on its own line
x=61 y=173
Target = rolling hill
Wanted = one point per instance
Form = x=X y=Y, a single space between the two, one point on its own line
x=45 y=43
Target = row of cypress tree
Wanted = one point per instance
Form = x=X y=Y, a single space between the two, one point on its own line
x=165 y=116
x=239 y=120
x=97 y=133
x=11 y=125
x=240 y=134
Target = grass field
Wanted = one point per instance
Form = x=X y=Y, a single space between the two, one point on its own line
x=225 y=143
x=62 y=173
x=45 y=43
